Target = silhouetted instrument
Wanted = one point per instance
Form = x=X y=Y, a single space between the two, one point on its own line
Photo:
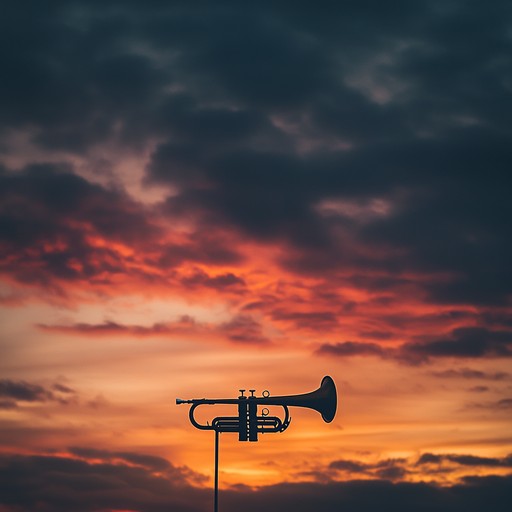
x=248 y=423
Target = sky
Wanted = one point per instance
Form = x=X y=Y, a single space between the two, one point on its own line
x=199 y=197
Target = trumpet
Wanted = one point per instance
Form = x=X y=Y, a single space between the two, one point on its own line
x=249 y=423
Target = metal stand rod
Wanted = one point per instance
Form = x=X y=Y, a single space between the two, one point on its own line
x=216 y=484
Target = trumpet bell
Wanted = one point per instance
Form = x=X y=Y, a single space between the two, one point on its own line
x=324 y=400
x=328 y=399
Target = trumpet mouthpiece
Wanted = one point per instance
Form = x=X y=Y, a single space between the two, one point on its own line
x=179 y=401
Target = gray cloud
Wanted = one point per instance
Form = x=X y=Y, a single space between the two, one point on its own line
x=13 y=392
x=30 y=482
x=262 y=113
x=461 y=343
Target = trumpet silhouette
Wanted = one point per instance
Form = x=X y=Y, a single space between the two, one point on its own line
x=249 y=423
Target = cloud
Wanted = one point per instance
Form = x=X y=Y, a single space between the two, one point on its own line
x=465 y=460
x=29 y=482
x=150 y=463
x=351 y=348
x=465 y=342
x=364 y=146
x=470 y=374
x=184 y=326
x=23 y=391
x=220 y=282
x=388 y=469
x=14 y=392
x=312 y=320
x=244 y=329
x=256 y=116
x=86 y=485
x=63 y=228
x=241 y=329
x=60 y=231
x=462 y=342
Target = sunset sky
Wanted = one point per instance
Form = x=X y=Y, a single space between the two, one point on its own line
x=198 y=197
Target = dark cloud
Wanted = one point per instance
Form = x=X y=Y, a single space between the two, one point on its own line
x=463 y=343
x=29 y=482
x=244 y=329
x=15 y=393
x=367 y=141
x=23 y=391
x=388 y=469
x=149 y=462
x=49 y=218
x=58 y=227
x=240 y=181
x=262 y=114
x=351 y=348
x=60 y=483
x=348 y=465
x=465 y=460
x=70 y=78
x=223 y=281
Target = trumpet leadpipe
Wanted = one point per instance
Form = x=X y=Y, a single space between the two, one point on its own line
x=208 y=401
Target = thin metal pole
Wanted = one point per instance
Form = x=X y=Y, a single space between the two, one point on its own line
x=216 y=485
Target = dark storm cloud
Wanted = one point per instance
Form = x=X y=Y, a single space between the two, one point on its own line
x=373 y=495
x=261 y=113
x=63 y=484
x=438 y=152
x=68 y=74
